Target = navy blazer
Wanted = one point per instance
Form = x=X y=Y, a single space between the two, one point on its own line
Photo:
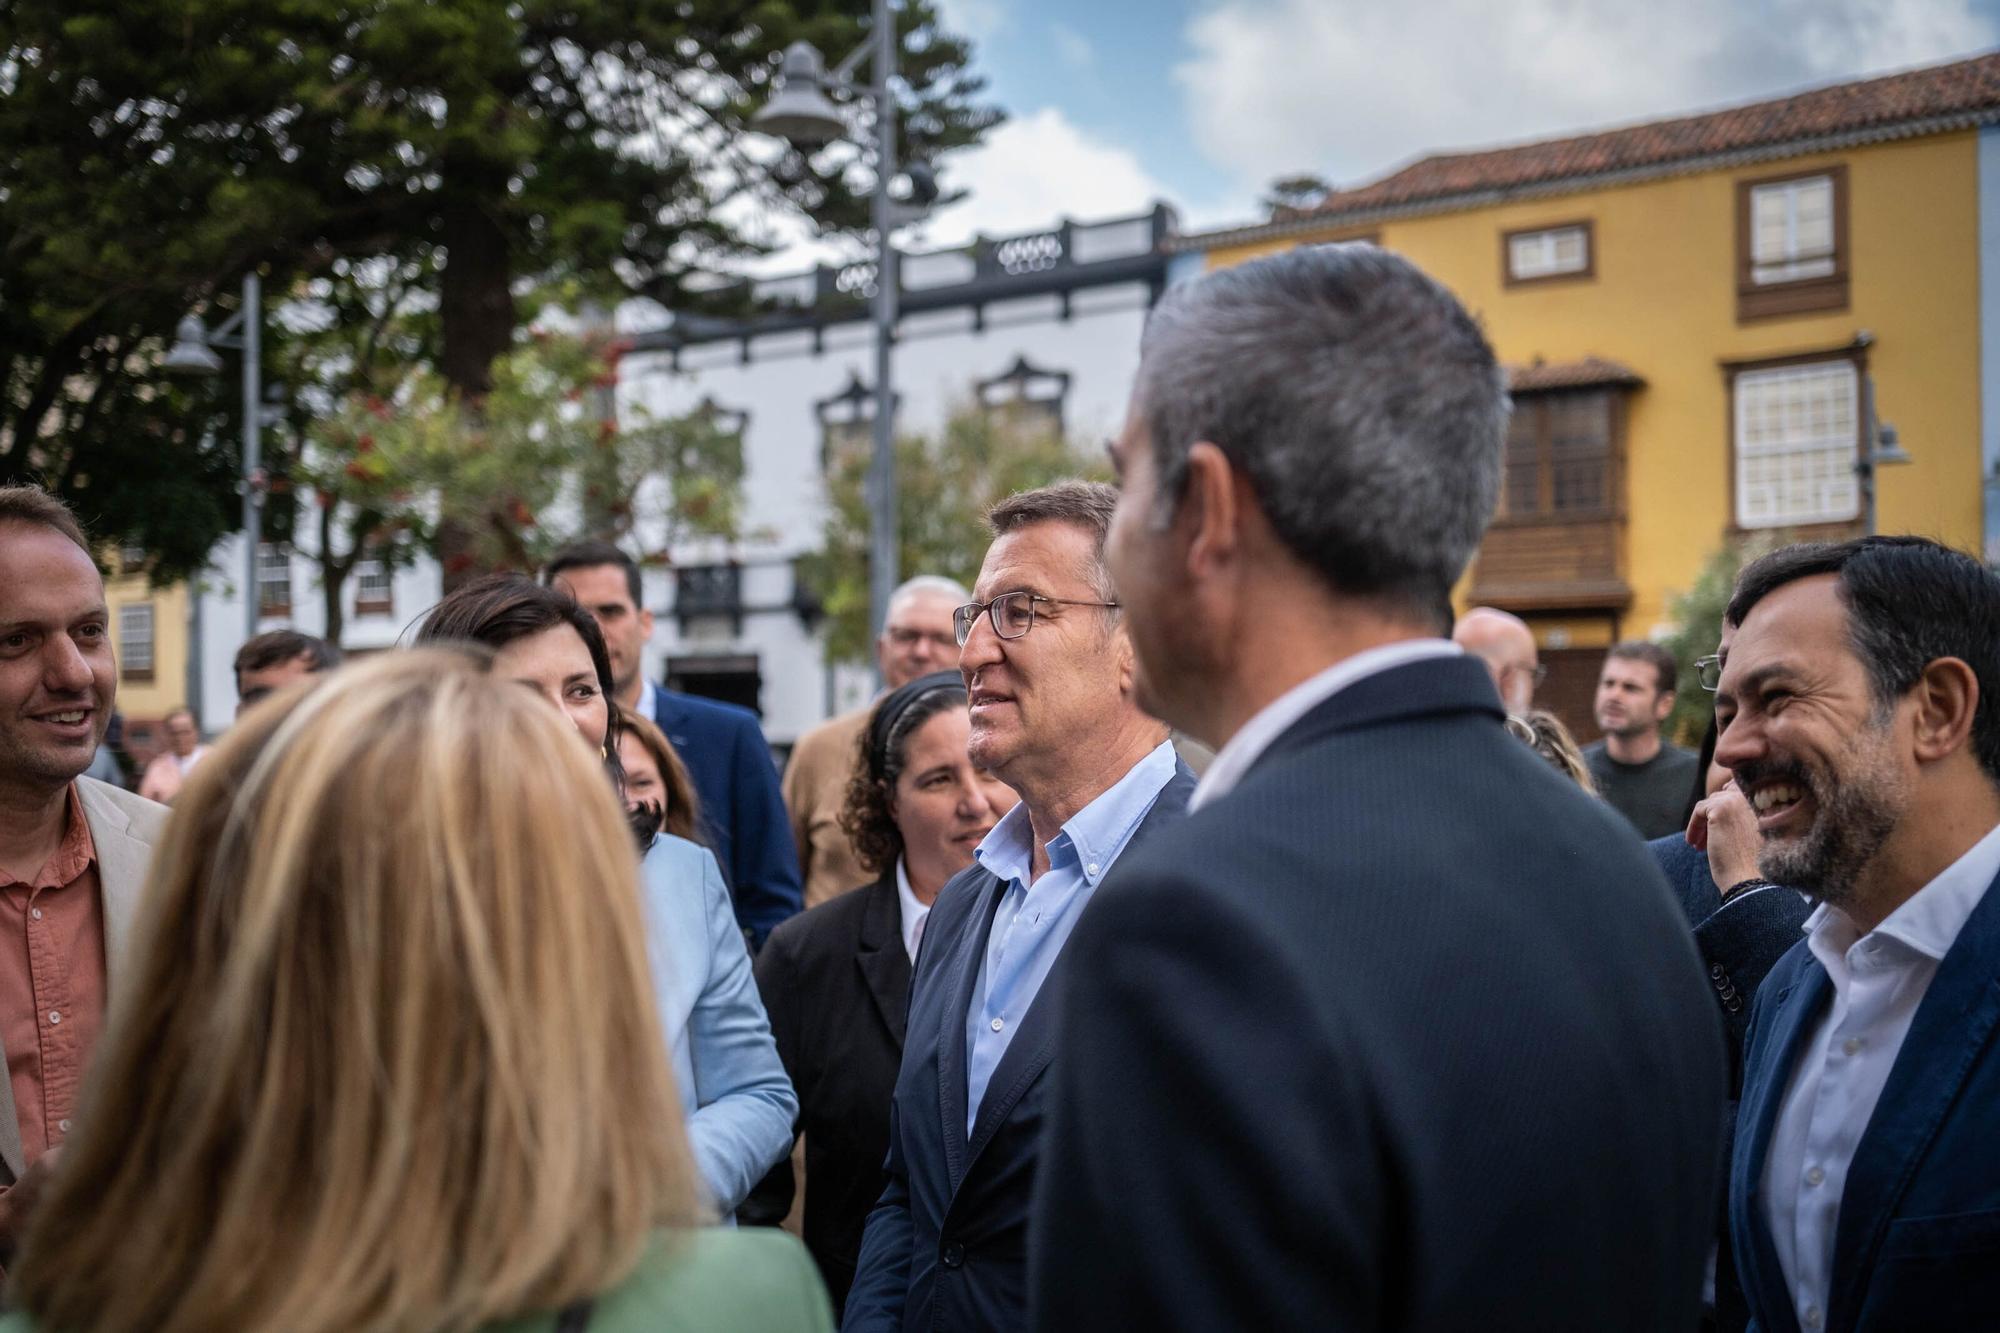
x=742 y=814
x=947 y=1245
x=1404 y=1032
x=1917 y=1244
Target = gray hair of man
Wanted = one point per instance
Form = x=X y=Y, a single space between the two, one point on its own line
x=1083 y=504
x=1357 y=395
x=923 y=583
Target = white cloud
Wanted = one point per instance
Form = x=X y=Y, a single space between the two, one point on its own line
x=976 y=19
x=1072 y=46
x=1036 y=169
x=1276 y=87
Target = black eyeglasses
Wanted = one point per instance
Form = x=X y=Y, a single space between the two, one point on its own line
x=1012 y=614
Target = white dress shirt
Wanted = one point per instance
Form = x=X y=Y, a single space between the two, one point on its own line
x=914 y=912
x=1233 y=760
x=1879 y=979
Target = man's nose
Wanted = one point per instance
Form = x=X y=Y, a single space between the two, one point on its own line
x=64 y=668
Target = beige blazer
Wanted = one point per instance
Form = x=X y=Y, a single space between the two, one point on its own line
x=123 y=827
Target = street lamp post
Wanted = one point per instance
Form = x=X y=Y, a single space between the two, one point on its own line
x=801 y=112
x=192 y=354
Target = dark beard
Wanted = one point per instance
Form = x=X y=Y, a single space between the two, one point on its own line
x=1851 y=819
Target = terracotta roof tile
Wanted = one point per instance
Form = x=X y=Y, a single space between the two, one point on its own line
x=1964 y=87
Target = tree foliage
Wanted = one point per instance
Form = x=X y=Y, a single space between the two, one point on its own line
x=151 y=154
x=945 y=483
x=1697 y=615
x=530 y=467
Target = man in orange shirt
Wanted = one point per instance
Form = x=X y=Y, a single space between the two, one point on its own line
x=73 y=851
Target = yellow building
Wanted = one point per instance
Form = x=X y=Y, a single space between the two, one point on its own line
x=1694 y=313
x=150 y=630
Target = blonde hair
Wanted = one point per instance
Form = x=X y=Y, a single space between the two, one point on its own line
x=386 y=1053
x=1545 y=734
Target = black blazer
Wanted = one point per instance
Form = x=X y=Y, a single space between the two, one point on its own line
x=1405 y=1032
x=946 y=1248
x=836 y=984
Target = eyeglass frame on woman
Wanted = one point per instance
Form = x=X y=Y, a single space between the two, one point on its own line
x=963 y=618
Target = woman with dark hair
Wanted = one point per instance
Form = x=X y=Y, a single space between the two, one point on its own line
x=655 y=776
x=739 y=1103
x=837 y=978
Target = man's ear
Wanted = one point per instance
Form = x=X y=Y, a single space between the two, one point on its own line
x=646 y=623
x=1663 y=705
x=1947 y=698
x=1210 y=510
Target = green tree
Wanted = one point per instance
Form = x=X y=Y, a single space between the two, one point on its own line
x=1697 y=616
x=151 y=154
x=945 y=483
x=529 y=468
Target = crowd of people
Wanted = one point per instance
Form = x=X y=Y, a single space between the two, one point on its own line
x=487 y=984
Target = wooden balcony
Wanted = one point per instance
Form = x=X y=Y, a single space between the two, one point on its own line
x=1552 y=564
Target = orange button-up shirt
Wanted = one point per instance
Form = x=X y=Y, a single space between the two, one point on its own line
x=52 y=983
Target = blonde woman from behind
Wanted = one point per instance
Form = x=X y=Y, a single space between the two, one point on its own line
x=387 y=1057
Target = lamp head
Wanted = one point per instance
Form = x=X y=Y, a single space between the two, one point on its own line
x=799 y=110
x=190 y=354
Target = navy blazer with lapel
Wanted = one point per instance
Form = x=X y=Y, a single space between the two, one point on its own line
x=742 y=813
x=1403 y=1032
x=1917 y=1243
x=946 y=1247
x=836 y=983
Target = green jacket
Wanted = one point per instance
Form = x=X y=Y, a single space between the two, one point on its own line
x=703 y=1281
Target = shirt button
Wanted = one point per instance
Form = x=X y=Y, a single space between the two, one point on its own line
x=1812 y=1319
x=63 y=1125
x=35 y=912
x=1090 y=869
x=1851 y=1045
x=1814 y=1175
x=999 y=1023
x=55 y=1016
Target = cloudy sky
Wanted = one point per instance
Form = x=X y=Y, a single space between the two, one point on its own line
x=1113 y=103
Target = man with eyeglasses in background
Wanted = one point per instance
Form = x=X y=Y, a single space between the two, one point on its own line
x=916 y=640
x=1049 y=670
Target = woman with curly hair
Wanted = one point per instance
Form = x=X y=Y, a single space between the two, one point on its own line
x=837 y=978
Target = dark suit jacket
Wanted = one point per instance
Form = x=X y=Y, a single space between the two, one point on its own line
x=946 y=1247
x=1917 y=1244
x=836 y=984
x=743 y=815
x=1405 y=1032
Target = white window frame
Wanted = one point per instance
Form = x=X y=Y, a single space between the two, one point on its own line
x=1792 y=261
x=372 y=568
x=272 y=557
x=1534 y=255
x=136 y=649
x=1794 y=456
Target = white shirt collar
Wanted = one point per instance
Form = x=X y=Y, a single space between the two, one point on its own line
x=649 y=700
x=1244 y=749
x=1928 y=923
x=914 y=912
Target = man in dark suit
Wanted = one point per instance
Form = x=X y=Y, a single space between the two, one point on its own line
x=1860 y=712
x=1398 y=1029
x=743 y=816
x=1048 y=669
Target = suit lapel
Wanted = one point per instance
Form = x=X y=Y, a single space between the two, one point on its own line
x=1946 y=1036
x=1034 y=1042
x=961 y=971
x=880 y=956
x=1796 y=1008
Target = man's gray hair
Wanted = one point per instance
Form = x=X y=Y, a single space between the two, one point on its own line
x=1359 y=398
x=1083 y=504
x=924 y=583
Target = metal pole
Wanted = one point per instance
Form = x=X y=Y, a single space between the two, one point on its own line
x=883 y=546
x=253 y=414
x=1865 y=469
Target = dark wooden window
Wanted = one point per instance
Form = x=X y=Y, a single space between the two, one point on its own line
x=1791 y=244
x=1561 y=456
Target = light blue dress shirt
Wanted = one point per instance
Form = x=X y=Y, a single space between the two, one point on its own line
x=1034 y=920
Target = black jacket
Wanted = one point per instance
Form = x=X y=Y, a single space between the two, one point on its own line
x=946 y=1247
x=836 y=984
x=1405 y=1032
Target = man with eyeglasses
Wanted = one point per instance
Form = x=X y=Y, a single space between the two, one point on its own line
x=916 y=640
x=1507 y=646
x=1049 y=669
